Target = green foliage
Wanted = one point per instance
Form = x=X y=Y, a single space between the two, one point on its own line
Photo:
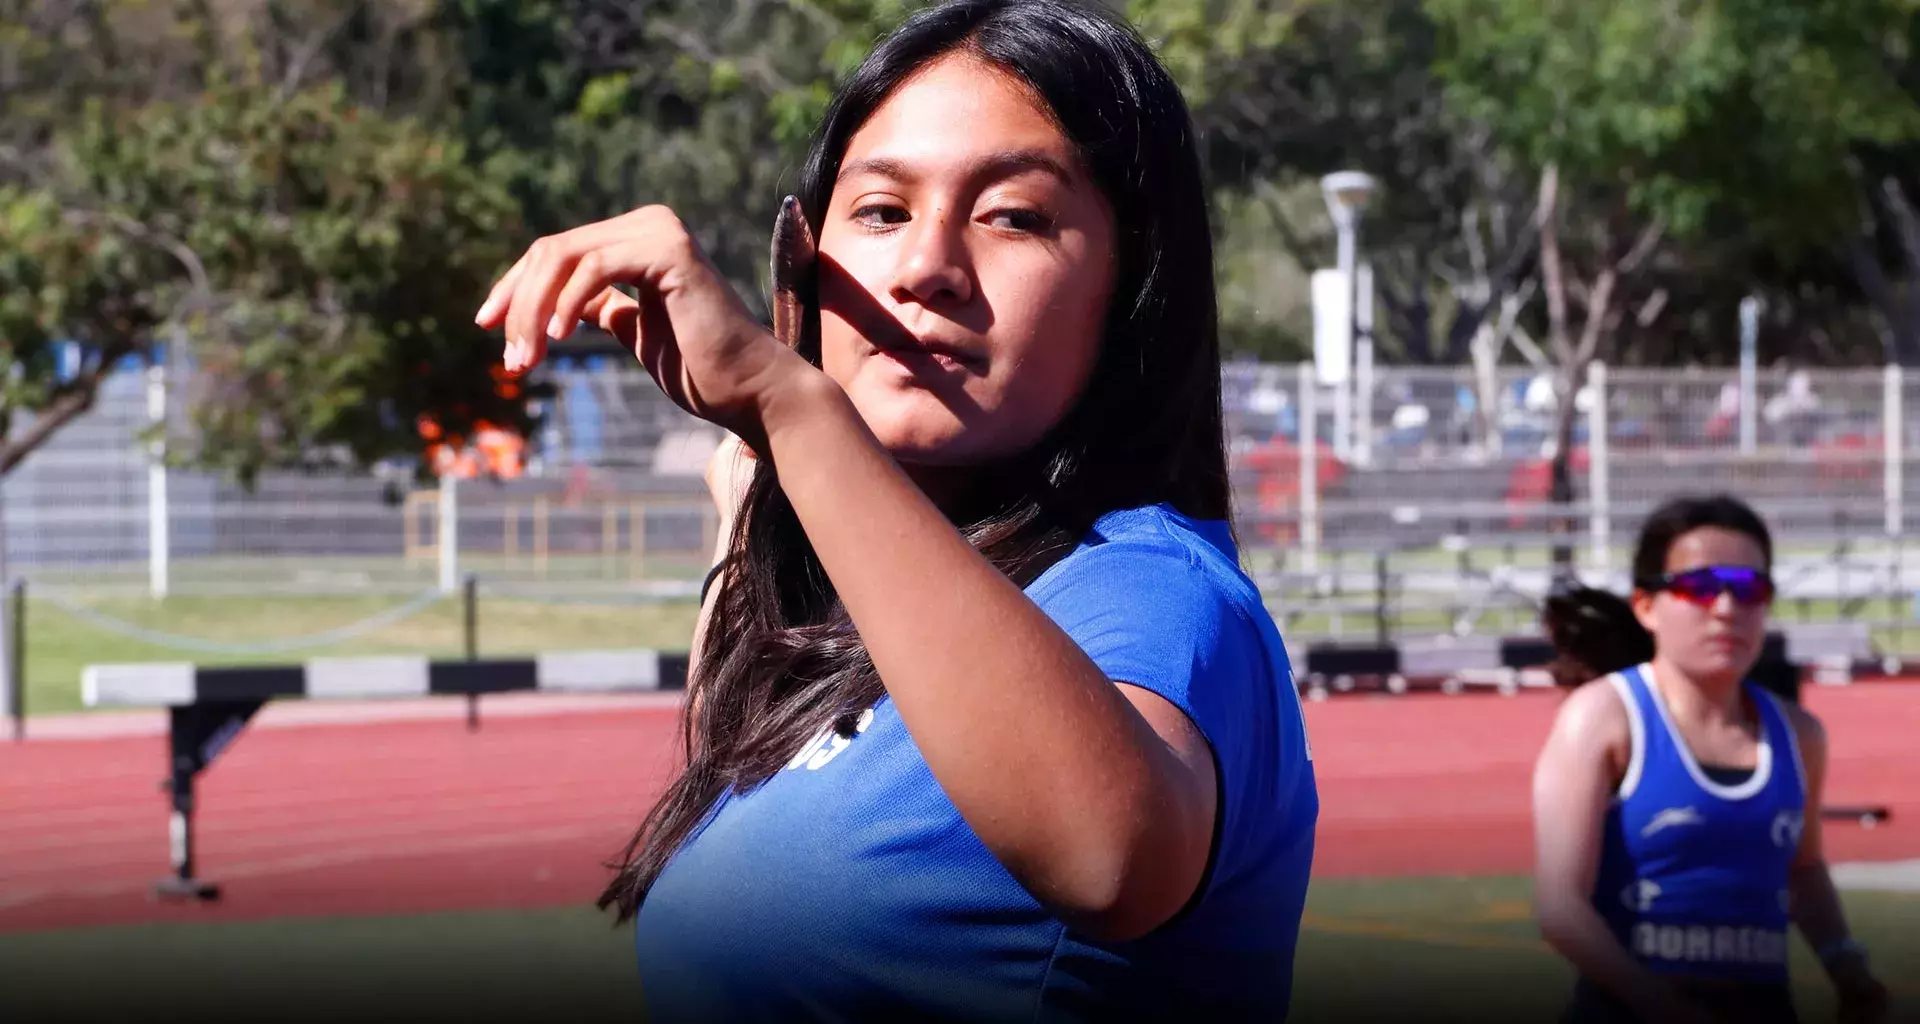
x=1700 y=112
x=316 y=193
x=322 y=260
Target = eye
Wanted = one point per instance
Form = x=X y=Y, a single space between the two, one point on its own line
x=877 y=216
x=1024 y=221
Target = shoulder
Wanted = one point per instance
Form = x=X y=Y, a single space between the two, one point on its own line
x=1808 y=732
x=1595 y=716
x=1158 y=601
x=1156 y=566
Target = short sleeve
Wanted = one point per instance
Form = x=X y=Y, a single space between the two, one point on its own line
x=1155 y=618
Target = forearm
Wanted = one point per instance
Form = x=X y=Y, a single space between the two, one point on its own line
x=1043 y=755
x=1816 y=905
x=1577 y=931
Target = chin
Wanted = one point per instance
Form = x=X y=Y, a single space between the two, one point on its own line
x=1723 y=664
x=916 y=427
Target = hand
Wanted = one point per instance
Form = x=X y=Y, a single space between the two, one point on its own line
x=1863 y=999
x=687 y=327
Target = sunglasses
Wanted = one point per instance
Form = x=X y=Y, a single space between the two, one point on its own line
x=1703 y=586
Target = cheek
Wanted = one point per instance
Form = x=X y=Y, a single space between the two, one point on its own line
x=1678 y=621
x=844 y=299
x=1059 y=332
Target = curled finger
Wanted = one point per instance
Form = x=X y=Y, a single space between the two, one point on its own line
x=493 y=311
x=585 y=292
x=550 y=264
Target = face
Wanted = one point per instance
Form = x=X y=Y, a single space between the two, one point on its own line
x=1707 y=637
x=965 y=268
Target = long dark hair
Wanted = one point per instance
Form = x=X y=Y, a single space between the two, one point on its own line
x=1596 y=633
x=781 y=660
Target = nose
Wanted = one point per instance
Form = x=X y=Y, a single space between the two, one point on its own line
x=934 y=268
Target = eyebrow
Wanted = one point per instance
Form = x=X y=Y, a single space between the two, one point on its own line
x=1003 y=164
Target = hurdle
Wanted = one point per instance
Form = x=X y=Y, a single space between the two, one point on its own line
x=208 y=707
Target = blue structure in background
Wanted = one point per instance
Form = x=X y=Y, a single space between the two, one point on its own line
x=585 y=419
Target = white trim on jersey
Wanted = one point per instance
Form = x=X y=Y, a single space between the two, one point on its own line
x=1762 y=771
x=1636 y=759
x=1793 y=739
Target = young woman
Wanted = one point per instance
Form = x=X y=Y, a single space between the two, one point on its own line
x=987 y=723
x=1677 y=804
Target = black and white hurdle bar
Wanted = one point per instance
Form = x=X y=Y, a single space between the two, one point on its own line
x=208 y=707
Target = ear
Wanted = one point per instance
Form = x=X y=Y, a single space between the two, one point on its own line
x=1643 y=608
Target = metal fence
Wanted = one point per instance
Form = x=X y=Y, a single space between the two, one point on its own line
x=1435 y=503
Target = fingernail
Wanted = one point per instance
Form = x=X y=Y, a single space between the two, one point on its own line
x=486 y=309
x=555 y=329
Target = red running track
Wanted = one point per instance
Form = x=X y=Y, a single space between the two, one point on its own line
x=416 y=816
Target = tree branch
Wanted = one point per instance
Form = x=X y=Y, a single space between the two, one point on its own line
x=1906 y=227
x=1546 y=217
x=816 y=14
x=1642 y=248
x=308 y=49
x=70 y=400
x=1290 y=239
x=202 y=292
x=1599 y=315
x=693 y=46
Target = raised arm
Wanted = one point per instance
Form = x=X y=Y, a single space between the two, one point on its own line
x=1099 y=797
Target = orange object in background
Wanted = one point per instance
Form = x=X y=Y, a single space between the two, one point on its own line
x=494 y=451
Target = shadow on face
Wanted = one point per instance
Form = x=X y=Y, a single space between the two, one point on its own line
x=966 y=264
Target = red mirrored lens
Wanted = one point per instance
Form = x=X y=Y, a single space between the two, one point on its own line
x=1704 y=586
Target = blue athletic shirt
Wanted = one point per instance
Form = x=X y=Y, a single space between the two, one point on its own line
x=848 y=887
x=1693 y=873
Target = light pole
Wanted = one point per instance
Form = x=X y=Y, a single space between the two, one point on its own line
x=1346 y=193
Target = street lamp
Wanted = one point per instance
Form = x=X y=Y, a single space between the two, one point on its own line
x=1347 y=194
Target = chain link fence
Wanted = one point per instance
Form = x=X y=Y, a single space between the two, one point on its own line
x=1430 y=512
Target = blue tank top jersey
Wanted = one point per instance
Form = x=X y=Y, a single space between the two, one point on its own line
x=1693 y=873
x=848 y=887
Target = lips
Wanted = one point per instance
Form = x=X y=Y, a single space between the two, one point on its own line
x=916 y=352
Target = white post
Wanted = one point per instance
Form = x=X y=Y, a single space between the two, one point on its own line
x=158 y=543
x=1309 y=470
x=1749 y=373
x=1363 y=365
x=1343 y=394
x=1599 y=498
x=1893 y=428
x=449 y=532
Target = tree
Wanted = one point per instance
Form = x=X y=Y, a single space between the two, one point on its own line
x=322 y=263
x=1648 y=121
x=596 y=106
x=1302 y=90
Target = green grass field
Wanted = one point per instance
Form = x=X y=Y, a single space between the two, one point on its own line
x=1456 y=949
x=59 y=645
